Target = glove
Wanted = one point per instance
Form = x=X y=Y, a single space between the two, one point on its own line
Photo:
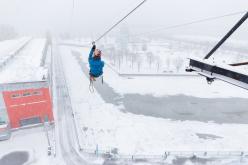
x=94 y=47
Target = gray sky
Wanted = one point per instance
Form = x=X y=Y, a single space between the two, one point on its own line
x=92 y=17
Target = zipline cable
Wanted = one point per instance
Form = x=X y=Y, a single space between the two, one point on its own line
x=125 y=9
x=116 y=24
x=189 y=23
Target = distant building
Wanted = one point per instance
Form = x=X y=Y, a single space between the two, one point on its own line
x=25 y=94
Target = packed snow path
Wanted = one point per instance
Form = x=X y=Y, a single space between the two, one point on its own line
x=67 y=137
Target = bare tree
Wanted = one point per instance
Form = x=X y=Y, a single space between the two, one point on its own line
x=168 y=63
x=139 y=61
x=158 y=61
x=122 y=40
x=144 y=47
x=150 y=58
x=112 y=54
x=178 y=63
x=134 y=48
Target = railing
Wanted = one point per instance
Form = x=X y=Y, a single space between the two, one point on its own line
x=44 y=53
x=150 y=74
x=50 y=135
x=189 y=154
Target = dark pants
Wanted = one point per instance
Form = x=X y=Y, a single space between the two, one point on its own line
x=92 y=75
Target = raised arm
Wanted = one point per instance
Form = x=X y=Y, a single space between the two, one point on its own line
x=92 y=50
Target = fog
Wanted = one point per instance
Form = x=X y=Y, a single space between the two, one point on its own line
x=93 y=17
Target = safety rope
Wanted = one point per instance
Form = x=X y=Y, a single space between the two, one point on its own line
x=117 y=23
x=188 y=23
x=91 y=86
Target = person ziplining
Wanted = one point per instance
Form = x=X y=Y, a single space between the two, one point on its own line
x=96 y=65
x=95 y=62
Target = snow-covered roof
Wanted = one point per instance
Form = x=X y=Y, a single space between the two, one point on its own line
x=8 y=46
x=25 y=66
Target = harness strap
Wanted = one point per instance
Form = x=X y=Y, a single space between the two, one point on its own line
x=91 y=86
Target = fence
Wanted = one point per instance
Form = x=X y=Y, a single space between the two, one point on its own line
x=49 y=129
x=151 y=75
x=44 y=53
x=112 y=154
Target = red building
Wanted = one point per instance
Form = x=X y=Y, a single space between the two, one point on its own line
x=25 y=94
x=27 y=103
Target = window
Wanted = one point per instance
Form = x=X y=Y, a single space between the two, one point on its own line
x=36 y=93
x=26 y=94
x=30 y=121
x=15 y=95
x=46 y=119
x=2 y=122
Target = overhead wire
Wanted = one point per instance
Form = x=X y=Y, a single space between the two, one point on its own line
x=189 y=23
x=117 y=23
x=123 y=11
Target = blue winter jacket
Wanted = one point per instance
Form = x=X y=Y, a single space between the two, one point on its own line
x=96 y=64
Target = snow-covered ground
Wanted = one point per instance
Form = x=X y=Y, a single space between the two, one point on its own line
x=33 y=141
x=26 y=65
x=105 y=125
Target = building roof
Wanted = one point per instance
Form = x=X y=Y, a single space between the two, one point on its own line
x=26 y=66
